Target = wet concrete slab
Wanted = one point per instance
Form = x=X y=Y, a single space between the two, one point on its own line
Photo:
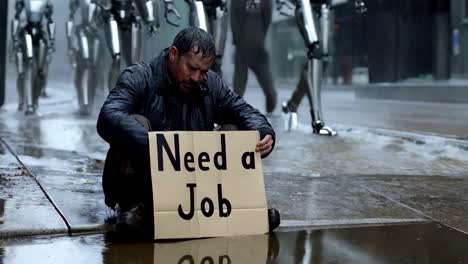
x=331 y=201
x=415 y=243
x=66 y=155
x=74 y=182
x=365 y=151
x=440 y=198
x=24 y=208
x=445 y=92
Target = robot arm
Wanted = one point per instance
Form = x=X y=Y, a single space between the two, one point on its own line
x=146 y=9
x=15 y=23
x=73 y=6
x=171 y=9
x=104 y=5
x=50 y=25
x=215 y=3
x=197 y=14
x=360 y=6
x=285 y=7
x=70 y=24
x=308 y=28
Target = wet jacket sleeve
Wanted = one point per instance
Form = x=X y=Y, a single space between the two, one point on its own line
x=232 y=109
x=116 y=125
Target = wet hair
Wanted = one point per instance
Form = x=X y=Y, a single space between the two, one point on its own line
x=196 y=40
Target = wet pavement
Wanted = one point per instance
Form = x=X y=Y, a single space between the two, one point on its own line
x=24 y=207
x=416 y=243
x=410 y=173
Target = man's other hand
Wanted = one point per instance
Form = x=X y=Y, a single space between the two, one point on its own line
x=265 y=145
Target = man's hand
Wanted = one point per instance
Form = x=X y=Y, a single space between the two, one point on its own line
x=265 y=145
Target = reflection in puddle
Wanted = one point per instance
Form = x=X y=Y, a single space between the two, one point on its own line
x=417 y=243
x=244 y=249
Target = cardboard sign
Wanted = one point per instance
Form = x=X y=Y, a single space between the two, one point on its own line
x=207 y=184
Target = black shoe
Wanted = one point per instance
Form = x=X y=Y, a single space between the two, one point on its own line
x=290 y=116
x=130 y=220
x=85 y=110
x=320 y=129
x=44 y=94
x=271 y=103
x=288 y=107
x=20 y=107
x=30 y=110
x=273 y=219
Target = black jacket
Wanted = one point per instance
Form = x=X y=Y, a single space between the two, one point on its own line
x=146 y=89
x=249 y=29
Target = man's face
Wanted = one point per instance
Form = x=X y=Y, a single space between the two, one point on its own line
x=188 y=70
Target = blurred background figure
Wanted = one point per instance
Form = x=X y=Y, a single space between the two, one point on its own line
x=116 y=22
x=123 y=30
x=250 y=20
x=313 y=21
x=3 y=48
x=33 y=35
x=211 y=15
x=83 y=51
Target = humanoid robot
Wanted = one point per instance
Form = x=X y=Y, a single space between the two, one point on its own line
x=316 y=36
x=211 y=15
x=83 y=48
x=123 y=29
x=33 y=35
x=121 y=21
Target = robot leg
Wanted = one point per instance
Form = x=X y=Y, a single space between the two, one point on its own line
x=83 y=69
x=43 y=60
x=95 y=76
x=29 y=76
x=289 y=108
x=115 y=50
x=136 y=46
x=21 y=79
x=314 y=83
x=219 y=27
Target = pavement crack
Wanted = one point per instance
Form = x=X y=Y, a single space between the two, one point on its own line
x=49 y=198
x=375 y=193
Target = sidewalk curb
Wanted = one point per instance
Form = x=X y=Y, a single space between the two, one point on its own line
x=297 y=225
x=420 y=138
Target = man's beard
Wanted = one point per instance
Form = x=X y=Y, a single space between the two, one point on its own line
x=187 y=87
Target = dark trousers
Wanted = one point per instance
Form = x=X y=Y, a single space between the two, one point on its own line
x=301 y=89
x=302 y=86
x=260 y=65
x=127 y=178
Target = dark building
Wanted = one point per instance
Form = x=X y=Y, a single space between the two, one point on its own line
x=395 y=40
x=3 y=49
